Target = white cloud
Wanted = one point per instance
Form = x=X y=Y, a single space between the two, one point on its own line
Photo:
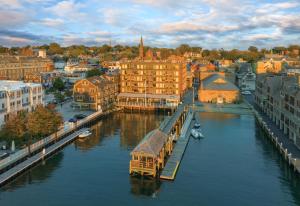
x=68 y=9
x=14 y=4
x=52 y=22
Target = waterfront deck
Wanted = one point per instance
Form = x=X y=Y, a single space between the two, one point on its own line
x=170 y=170
x=18 y=169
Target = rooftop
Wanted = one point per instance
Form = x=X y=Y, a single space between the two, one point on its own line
x=217 y=82
x=15 y=85
x=152 y=143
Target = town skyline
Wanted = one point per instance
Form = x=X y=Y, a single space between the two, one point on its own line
x=209 y=24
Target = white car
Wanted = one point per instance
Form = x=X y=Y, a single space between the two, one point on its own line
x=246 y=92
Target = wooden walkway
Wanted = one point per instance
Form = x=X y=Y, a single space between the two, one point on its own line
x=167 y=126
x=170 y=170
x=18 y=169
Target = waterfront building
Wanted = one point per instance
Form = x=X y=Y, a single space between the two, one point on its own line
x=148 y=157
x=152 y=83
x=44 y=78
x=269 y=66
x=114 y=76
x=75 y=66
x=16 y=96
x=225 y=63
x=17 y=67
x=42 y=53
x=193 y=55
x=215 y=88
x=279 y=97
x=95 y=93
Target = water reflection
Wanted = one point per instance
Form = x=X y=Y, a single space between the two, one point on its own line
x=37 y=174
x=131 y=127
x=217 y=116
x=145 y=186
x=289 y=179
x=135 y=126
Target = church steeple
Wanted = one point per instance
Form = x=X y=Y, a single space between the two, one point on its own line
x=141 y=49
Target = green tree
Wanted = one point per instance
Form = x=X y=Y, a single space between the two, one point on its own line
x=93 y=72
x=252 y=49
x=58 y=84
x=59 y=96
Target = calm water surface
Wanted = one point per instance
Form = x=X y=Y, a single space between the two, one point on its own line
x=234 y=164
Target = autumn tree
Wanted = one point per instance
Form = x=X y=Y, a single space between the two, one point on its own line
x=55 y=48
x=15 y=127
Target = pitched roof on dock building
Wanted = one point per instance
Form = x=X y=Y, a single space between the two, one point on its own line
x=152 y=143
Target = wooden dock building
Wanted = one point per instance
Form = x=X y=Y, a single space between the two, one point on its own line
x=150 y=155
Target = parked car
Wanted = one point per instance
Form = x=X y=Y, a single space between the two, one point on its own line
x=73 y=120
x=246 y=92
x=80 y=116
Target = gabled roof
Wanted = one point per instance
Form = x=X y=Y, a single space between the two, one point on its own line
x=152 y=143
x=217 y=82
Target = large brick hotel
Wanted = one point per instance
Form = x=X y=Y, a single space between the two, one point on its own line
x=147 y=82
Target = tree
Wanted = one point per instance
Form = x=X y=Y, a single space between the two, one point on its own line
x=182 y=49
x=93 y=72
x=59 y=96
x=58 y=84
x=55 y=48
x=43 y=121
x=252 y=49
x=15 y=127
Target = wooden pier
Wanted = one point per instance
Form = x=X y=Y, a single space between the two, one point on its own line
x=170 y=170
x=18 y=169
x=150 y=155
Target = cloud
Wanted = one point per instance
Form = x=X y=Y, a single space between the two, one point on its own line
x=207 y=23
x=11 y=4
x=12 y=19
x=52 y=22
x=68 y=9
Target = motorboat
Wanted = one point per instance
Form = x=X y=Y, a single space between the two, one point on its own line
x=196 y=131
x=85 y=133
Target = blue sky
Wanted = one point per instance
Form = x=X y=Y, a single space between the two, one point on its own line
x=164 y=23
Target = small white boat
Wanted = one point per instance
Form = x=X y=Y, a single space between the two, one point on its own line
x=195 y=133
x=84 y=134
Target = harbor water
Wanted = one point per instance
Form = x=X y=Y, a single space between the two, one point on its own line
x=235 y=164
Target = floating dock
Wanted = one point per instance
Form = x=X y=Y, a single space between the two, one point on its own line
x=170 y=170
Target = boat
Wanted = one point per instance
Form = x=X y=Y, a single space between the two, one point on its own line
x=196 y=131
x=85 y=133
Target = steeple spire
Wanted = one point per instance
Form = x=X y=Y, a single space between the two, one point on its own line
x=141 y=49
